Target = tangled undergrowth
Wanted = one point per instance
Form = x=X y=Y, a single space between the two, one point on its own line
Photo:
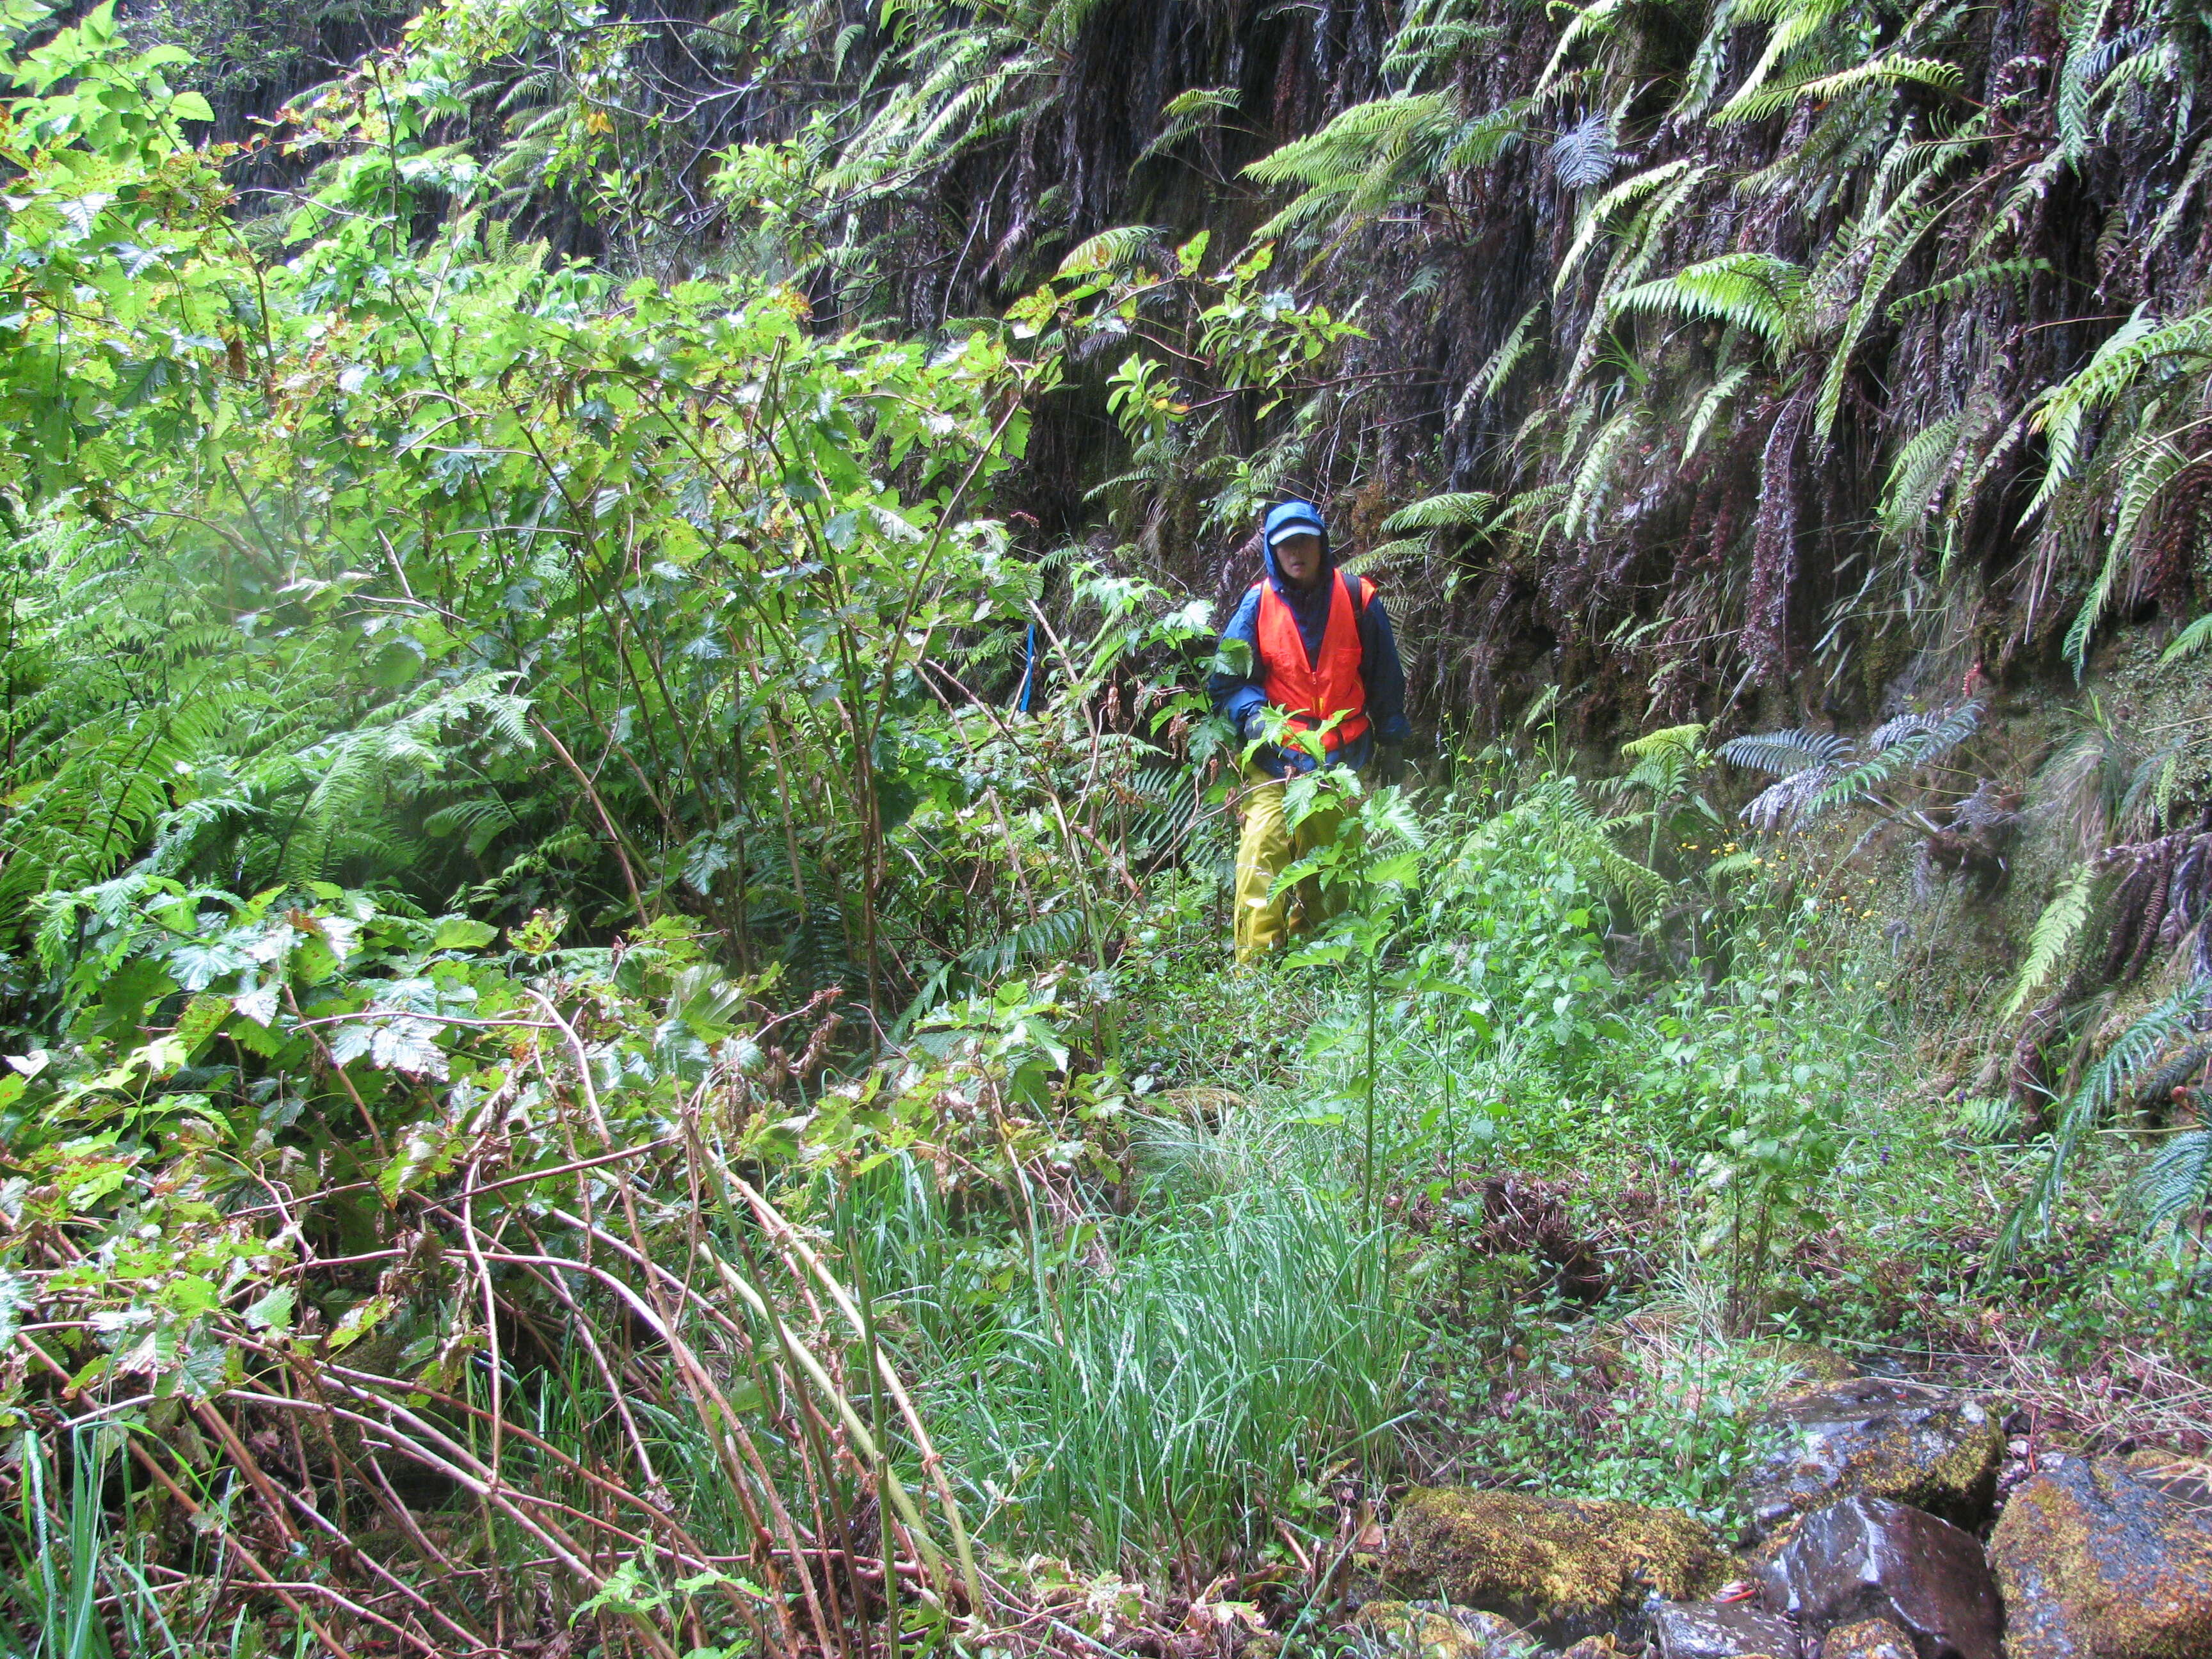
x=613 y=953
x=413 y=1287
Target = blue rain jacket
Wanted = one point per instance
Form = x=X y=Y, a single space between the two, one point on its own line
x=1239 y=696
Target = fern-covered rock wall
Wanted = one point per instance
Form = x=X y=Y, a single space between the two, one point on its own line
x=1814 y=353
x=1802 y=354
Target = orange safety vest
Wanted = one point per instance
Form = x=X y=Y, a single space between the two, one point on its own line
x=1309 y=690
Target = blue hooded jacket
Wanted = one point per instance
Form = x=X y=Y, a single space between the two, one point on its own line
x=1240 y=695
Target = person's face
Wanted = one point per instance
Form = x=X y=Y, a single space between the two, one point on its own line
x=1298 y=557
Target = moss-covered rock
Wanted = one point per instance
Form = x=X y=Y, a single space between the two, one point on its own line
x=2097 y=1561
x=1870 y=1638
x=1933 y=1448
x=1430 y=1630
x=1816 y=1367
x=1569 y=1566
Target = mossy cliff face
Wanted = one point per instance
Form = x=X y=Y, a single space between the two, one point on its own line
x=1562 y=1563
x=2096 y=1560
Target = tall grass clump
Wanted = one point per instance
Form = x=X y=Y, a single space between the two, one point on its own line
x=1154 y=1386
x=1173 y=1400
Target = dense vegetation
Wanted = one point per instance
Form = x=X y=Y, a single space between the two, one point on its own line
x=612 y=860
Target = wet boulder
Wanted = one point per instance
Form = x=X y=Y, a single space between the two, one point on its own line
x=2099 y=1560
x=1931 y=1447
x=1722 y=1630
x=1571 y=1567
x=1870 y=1638
x=1870 y=1558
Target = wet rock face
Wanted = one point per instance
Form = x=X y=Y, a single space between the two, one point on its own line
x=1930 y=1448
x=1869 y=1558
x=1710 y=1630
x=1870 y=1638
x=2098 y=1560
x=1568 y=1566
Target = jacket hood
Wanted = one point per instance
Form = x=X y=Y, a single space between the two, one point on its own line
x=1303 y=515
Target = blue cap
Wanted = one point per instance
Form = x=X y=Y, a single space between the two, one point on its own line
x=1287 y=519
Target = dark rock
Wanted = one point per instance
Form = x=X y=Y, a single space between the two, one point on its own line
x=1870 y=1638
x=1570 y=1567
x=2098 y=1560
x=1722 y=1630
x=1868 y=1557
x=1928 y=1446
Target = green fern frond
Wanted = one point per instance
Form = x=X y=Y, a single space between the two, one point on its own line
x=1587 y=494
x=1598 y=217
x=1684 y=743
x=1953 y=288
x=1822 y=89
x=2053 y=939
x=1709 y=406
x=2191 y=641
x=1462 y=507
x=1782 y=753
x=1519 y=341
x=1386 y=556
x=1116 y=249
x=1917 y=474
x=2178 y=1184
x=2141 y=347
x=2158 y=1032
x=1756 y=292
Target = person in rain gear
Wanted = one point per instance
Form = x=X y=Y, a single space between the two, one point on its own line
x=1311 y=641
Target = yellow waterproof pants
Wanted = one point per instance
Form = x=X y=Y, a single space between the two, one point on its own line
x=1269 y=846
